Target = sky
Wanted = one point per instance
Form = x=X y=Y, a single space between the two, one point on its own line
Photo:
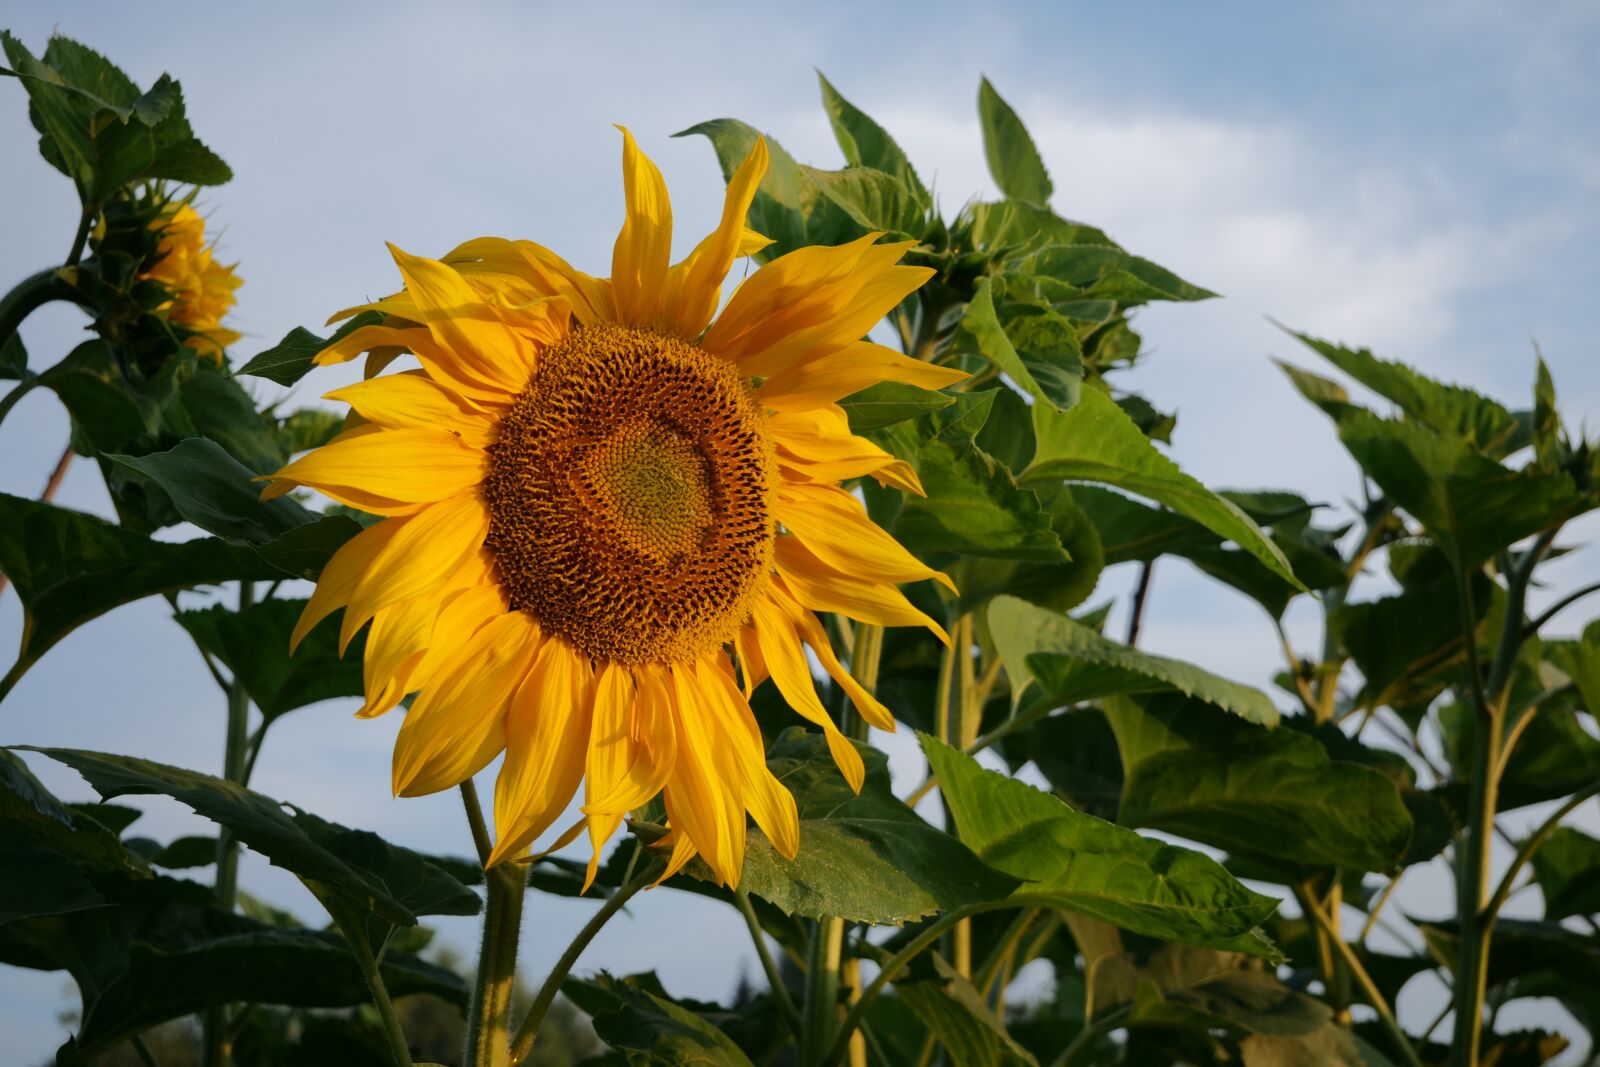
x=1421 y=179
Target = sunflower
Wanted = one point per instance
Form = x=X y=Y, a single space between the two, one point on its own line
x=596 y=499
x=201 y=288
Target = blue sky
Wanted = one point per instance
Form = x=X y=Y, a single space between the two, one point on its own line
x=1421 y=180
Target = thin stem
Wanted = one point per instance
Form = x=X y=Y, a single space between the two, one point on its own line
x=480 y=829
x=1377 y=906
x=758 y=937
x=1555 y=609
x=1110 y=1022
x=529 y=1030
x=1385 y=1015
x=81 y=238
x=233 y=764
x=1140 y=593
x=887 y=973
x=1016 y=722
x=1532 y=845
x=970 y=714
x=380 y=996
x=822 y=994
x=1003 y=950
x=142 y=1047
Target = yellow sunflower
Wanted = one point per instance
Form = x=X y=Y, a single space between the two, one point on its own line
x=201 y=288
x=594 y=494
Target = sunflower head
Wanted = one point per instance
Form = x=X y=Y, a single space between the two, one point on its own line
x=201 y=288
x=608 y=518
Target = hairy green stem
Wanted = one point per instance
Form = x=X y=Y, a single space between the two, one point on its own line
x=529 y=1030
x=380 y=996
x=822 y=994
x=758 y=937
x=489 y=1018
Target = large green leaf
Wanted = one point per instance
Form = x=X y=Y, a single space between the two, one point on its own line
x=1070 y=860
x=634 y=1016
x=1071 y=663
x=956 y=1014
x=1448 y=409
x=972 y=505
x=1013 y=160
x=1096 y=441
x=1472 y=505
x=863 y=857
x=1275 y=794
x=887 y=403
x=1047 y=381
x=871 y=199
x=393 y=883
x=163 y=949
x=1061 y=586
x=69 y=567
x=214 y=491
x=254 y=645
x=865 y=143
x=1568 y=871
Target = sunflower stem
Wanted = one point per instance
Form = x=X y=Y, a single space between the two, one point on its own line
x=822 y=992
x=489 y=1019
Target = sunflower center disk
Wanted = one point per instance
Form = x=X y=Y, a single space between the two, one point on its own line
x=628 y=493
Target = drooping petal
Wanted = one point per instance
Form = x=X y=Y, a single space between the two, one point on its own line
x=835 y=527
x=428 y=547
x=457 y=725
x=339 y=578
x=811 y=631
x=387 y=471
x=396 y=642
x=816 y=382
x=769 y=803
x=818 y=446
x=786 y=659
x=525 y=271
x=644 y=246
x=463 y=324
x=821 y=588
x=694 y=287
x=702 y=795
x=547 y=739
x=631 y=742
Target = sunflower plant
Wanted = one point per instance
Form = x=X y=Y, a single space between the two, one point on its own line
x=674 y=553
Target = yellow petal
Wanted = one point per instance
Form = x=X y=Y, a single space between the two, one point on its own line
x=752 y=668
x=428 y=547
x=396 y=642
x=389 y=468
x=702 y=795
x=547 y=737
x=461 y=615
x=694 y=287
x=811 y=631
x=818 y=445
x=471 y=330
x=526 y=271
x=397 y=401
x=825 y=380
x=644 y=246
x=631 y=742
x=442 y=364
x=786 y=659
x=769 y=803
x=819 y=587
x=835 y=527
x=457 y=725
x=344 y=571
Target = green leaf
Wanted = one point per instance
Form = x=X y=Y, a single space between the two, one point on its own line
x=1567 y=867
x=1106 y=272
x=956 y=1014
x=864 y=858
x=254 y=645
x=1325 y=393
x=1255 y=792
x=1097 y=442
x=887 y=403
x=214 y=491
x=865 y=143
x=69 y=567
x=972 y=505
x=872 y=199
x=13 y=358
x=1047 y=382
x=652 y=1030
x=1075 y=861
x=221 y=410
x=306 y=429
x=164 y=950
x=1013 y=160
x=1447 y=409
x=291 y=358
x=1071 y=663
x=1061 y=586
x=1077 y=753
x=393 y=883
x=1470 y=504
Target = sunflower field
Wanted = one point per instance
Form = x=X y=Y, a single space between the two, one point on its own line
x=665 y=558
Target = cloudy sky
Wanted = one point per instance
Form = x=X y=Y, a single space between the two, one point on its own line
x=1422 y=181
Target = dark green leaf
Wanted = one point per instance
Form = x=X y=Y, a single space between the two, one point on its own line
x=1097 y=442
x=652 y=1030
x=254 y=646
x=1567 y=867
x=1075 y=861
x=865 y=858
x=1268 y=793
x=956 y=1014
x=214 y=491
x=291 y=358
x=1061 y=586
x=1071 y=663
x=394 y=883
x=220 y=409
x=1013 y=160
x=13 y=358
